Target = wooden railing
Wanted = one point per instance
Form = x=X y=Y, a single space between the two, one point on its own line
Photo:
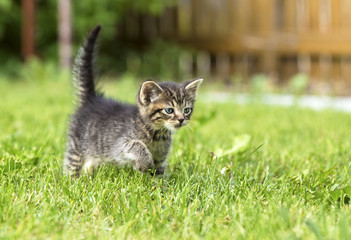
x=276 y=37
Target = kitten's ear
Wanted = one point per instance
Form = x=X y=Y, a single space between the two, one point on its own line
x=193 y=85
x=149 y=92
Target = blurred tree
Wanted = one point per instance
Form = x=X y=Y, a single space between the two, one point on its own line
x=28 y=28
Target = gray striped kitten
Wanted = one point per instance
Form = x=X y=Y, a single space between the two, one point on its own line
x=106 y=131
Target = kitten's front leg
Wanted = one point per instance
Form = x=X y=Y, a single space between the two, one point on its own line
x=160 y=170
x=141 y=155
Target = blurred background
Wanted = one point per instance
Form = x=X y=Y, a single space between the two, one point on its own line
x=296 y=45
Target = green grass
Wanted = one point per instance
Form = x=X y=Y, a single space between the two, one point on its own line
x=288 y=176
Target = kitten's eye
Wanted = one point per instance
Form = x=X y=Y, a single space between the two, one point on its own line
x=187 y=110
x=169 y=110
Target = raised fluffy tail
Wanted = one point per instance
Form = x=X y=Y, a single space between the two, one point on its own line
x=83 y=70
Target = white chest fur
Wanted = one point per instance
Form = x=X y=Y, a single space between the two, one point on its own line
x=159 y=149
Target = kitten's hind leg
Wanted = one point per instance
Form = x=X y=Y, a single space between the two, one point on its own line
x=72 y=164
x=140 y=155
x=91 y=164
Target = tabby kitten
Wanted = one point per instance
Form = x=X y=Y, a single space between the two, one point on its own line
x=106 y=131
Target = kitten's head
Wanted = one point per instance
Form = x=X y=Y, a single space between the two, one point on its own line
x=167 y=105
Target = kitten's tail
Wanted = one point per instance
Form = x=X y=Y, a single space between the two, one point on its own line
x=83 y=70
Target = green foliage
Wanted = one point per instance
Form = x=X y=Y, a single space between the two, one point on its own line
x=36 y=71
x=109 y=12
x=10 y=30
x=298 y=83
x=8 y=11
x=33 y=70
x=85 y=15
x=161 y=60
x=289 y=178
x=259 y=83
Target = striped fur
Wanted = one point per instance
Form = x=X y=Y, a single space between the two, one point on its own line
x=83 y=71
x=104 y=131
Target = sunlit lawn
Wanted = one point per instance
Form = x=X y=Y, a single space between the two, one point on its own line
x=242 y=172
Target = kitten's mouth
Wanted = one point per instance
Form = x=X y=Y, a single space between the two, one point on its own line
x=179 y=125
x=175 y=126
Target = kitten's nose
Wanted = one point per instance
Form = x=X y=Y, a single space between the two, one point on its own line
x=181 y=120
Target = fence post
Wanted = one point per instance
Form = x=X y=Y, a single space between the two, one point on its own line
x=65 y=33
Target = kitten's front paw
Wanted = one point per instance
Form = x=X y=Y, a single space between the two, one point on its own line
x=160 y=171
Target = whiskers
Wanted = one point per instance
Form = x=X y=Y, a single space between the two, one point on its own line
x=168 y=126
x=189 y=127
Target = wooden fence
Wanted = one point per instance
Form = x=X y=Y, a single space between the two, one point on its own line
x=275 y=37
